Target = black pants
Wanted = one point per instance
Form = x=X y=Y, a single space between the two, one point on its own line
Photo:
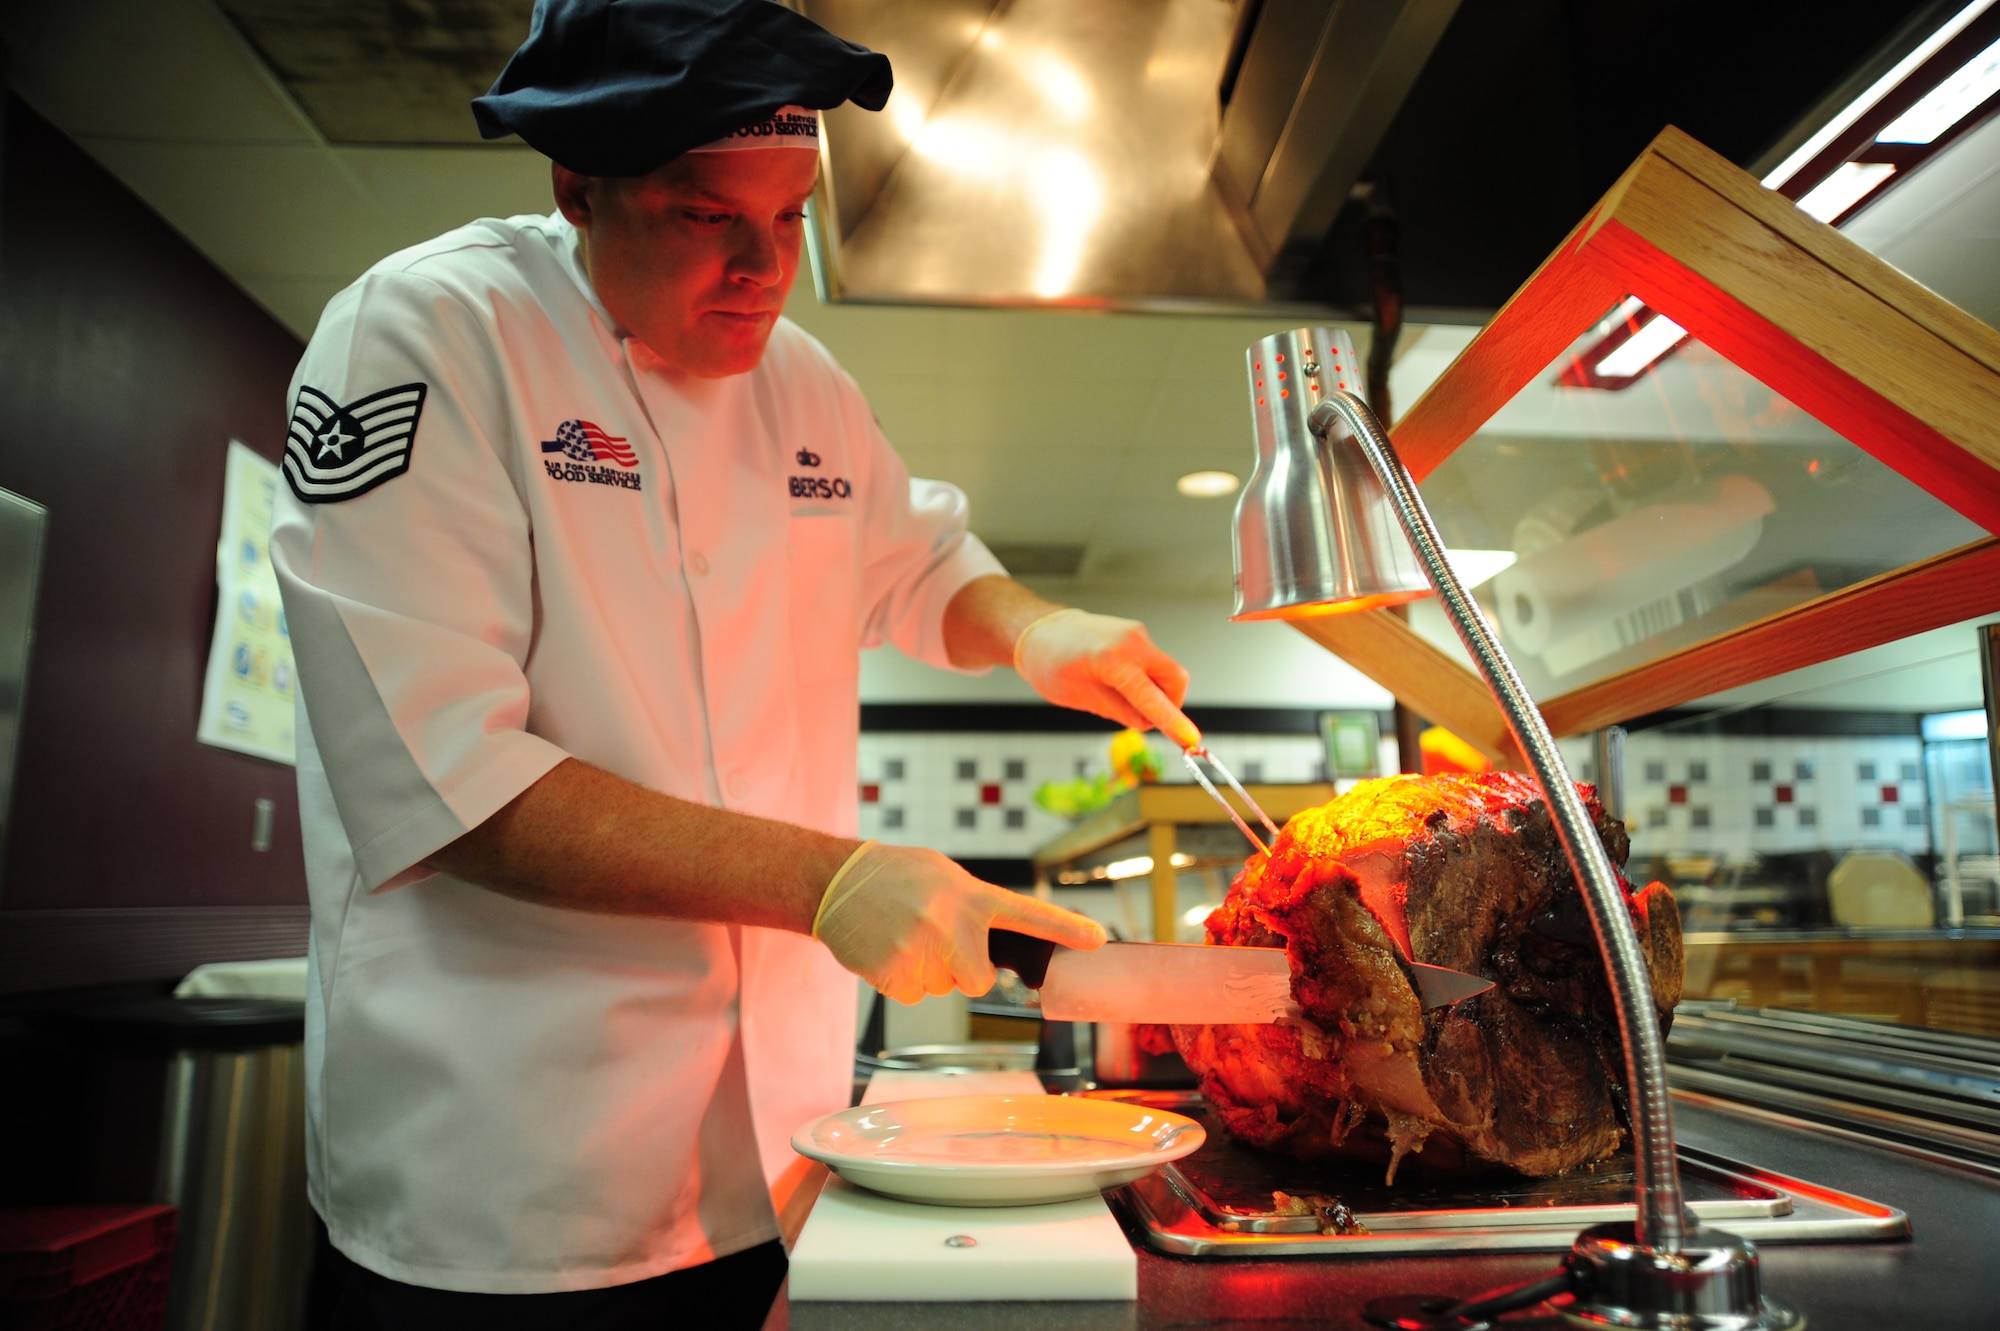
x=732 y=1293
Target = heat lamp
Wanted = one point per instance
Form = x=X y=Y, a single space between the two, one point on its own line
x=1331 y=523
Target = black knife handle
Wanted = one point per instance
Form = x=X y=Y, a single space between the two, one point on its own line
x=1025 y=955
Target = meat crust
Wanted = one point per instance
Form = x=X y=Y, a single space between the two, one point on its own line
x=1465 y=872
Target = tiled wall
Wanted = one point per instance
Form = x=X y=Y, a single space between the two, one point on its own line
x=1739 y=795
x=972 y=795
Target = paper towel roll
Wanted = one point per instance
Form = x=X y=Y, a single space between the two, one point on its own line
x=1649 y=553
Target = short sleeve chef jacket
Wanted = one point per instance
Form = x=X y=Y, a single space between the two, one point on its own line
x=580 y=552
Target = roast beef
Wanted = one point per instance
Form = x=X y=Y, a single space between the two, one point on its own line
x=1458 y=871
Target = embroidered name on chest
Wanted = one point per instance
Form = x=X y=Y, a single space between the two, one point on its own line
x=583 y=448
x=817 y=487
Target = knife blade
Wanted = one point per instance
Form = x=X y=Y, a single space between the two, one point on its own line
x=1180 y=983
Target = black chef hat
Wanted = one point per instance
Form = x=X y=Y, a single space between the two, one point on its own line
x=619 y=87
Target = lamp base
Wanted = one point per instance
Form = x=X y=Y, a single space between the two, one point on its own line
x=1711 y=1284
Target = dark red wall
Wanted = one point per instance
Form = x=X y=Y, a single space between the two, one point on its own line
x=127 y=363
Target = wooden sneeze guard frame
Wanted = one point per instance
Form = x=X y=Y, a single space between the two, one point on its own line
x=1886 y=363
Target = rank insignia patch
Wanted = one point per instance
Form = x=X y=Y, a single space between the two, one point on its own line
x=334 y=452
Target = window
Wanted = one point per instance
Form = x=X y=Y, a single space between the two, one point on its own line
x=968 y=769
x=892 y=769
x=1016 y=769
x=891 y=819
x=1253 y=771
x=1871 y=817
x=1016 y=819
x=966 y=818
x=1760 y=771
x=1656 y=817
x=1697 y=772
x=1802 y=771
x=1913 y=816
x=1808 y=817
x=1907 y=772
x=1767 y=817
x=1864 y=772
x=1656 y=771
x=1697 y=817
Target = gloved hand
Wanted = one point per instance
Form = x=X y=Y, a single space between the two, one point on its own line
x=1109 y=666
x=911 y=922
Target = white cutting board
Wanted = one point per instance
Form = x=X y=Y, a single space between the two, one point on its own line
x=861 y=1246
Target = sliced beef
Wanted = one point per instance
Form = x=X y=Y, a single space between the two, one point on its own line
x=1458 y=871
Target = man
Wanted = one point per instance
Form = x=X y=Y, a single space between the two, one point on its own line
x=580 y=545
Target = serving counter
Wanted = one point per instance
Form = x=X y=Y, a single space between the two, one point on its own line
x=1945 y=1278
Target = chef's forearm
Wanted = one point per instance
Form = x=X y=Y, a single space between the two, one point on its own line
x=986 y=618
x=583 y=839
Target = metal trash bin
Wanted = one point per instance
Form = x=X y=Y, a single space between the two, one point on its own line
x=200 y=1103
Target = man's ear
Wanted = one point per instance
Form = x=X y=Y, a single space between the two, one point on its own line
x=572 y=194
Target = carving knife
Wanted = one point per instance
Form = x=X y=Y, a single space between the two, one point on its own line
x=1190 y=984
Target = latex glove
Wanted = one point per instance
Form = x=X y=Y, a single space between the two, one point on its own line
x=911 y=922
x=1109 y=666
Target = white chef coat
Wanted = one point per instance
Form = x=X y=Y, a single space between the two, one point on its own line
x=501 y=1096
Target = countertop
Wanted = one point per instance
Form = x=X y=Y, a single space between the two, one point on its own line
x=1945 y=1278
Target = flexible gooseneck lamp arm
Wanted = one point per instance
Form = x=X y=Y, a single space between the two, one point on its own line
x=1662 y=1223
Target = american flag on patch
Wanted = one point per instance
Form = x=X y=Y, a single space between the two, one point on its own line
x=585 y=442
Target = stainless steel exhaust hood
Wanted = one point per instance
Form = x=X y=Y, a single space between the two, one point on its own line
x=1120 y=153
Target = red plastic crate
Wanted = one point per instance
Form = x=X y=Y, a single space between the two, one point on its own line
x=85 y=1268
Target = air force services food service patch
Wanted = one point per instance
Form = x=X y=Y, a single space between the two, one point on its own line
x=586 y=444
x=334 y=452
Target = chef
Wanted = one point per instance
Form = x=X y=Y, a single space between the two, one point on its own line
x=579 y=544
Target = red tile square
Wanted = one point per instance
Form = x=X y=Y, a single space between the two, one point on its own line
x=1677 y=794
x=1783 y=794
x=989 y=794
x=871 y=794
x=1891 y=794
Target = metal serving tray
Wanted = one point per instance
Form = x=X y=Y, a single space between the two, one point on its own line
x=1218 y=1203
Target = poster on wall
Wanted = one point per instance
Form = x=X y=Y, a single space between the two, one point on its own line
x=246 y=699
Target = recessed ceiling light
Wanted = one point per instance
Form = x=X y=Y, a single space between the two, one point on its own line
x=1208 y=484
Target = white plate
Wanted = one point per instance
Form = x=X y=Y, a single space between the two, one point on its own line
x=996 y=1150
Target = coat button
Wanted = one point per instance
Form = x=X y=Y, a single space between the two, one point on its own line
x=699 y=563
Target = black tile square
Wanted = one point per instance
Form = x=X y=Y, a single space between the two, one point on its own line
x=1760 y=771
x=892 y=819
x=1016 y=819
x=966 y=818
x=892 y=769
x=1016 y=769
x=968 y=769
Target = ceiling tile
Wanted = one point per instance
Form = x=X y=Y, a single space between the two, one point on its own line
x=161 y=70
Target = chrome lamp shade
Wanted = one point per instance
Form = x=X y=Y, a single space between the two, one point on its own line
x=1315 y=534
